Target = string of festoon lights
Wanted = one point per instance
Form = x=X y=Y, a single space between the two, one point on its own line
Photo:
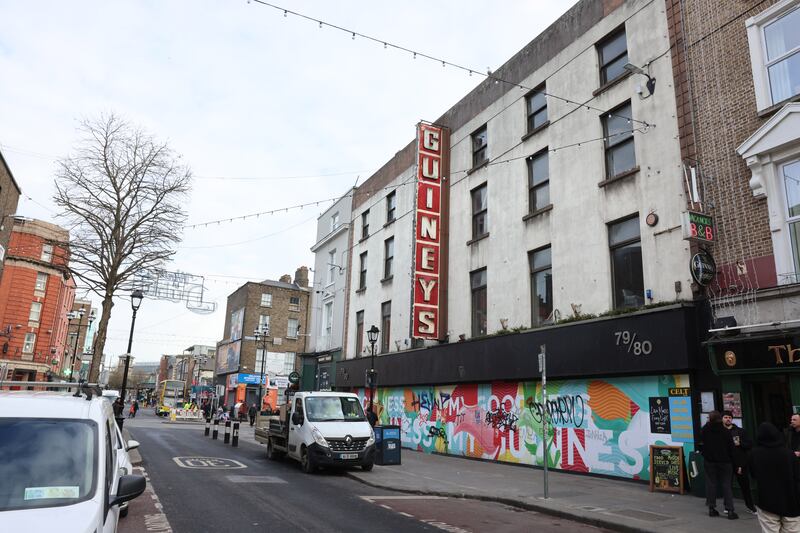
x=445 y=63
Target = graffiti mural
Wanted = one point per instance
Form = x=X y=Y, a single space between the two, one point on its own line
x=600 y=426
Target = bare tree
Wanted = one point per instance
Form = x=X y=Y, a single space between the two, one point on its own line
x=122 y=195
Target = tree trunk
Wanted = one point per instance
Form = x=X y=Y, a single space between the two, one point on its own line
x=99 y=343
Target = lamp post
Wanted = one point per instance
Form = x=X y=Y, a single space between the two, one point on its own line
x=261 y=334
x=136 y=300
x=372 y=336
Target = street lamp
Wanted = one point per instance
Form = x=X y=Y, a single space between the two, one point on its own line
x=136 y=300
x=261 y=334
x=372 y=336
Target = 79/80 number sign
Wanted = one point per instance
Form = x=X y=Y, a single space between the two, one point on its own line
x=698 y=227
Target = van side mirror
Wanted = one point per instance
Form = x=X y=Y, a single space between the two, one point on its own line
x=129 y=487
x=297 y=419
x=132 y=445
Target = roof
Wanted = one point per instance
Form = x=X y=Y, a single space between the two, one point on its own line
x=48 y=404
x=10 y=175
x=281 y=284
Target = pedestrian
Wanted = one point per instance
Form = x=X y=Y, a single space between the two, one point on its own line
x=793 y=435
x=252 y=414
x=242 y=411
x=718 y=461
x=132 y=410
x=741 y=447
x=777 y=474
x=135 y=407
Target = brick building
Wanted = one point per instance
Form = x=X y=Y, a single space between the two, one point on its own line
x=737 y=75
x=282 y=309
x=9 y=198
x=36 y=293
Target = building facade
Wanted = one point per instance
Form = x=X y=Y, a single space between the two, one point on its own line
x=9 y=199
x=79 y=322
x=277 y=308
x=543 y=213
x=36 y=293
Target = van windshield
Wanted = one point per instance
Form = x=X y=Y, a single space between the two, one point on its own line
x=334 y=409
x=46 y=462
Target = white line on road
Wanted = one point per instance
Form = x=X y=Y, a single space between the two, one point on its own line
x=405 y=514
x=410 y=497
x=254 y=479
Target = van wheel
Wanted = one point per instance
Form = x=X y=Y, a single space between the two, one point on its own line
x=272 y=454
x=367 y=467
x=306 y=463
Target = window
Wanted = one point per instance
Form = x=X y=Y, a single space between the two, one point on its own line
x=388 y=255
x=27 y=345
x=47 y=252
x=293 y=328
x=478 y=285
x=613 y=52
x=334 y=221
x=538 y=181
x=479 y=208
x=41 y=281
x=386 y=325
x=541 y=286
x=391 y=206
x=294 y=300
x=288 y=363
x=775 y=53
x=791 y=179
x=266 y=299
x=327 y=319
x=332 y=267
x=263 y=323
x=620 y=154
x=261 y=361
x=480 y=142
x=362 y=274
x=536 y=104
x=359 y=332
x=365 y=224
x=36 y=312
x=626 y=263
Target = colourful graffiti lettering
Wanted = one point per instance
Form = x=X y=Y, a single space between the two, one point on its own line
x=561 y=410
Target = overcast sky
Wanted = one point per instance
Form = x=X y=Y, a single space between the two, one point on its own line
x=240 y=91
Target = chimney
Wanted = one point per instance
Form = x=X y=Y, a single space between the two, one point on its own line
x=286 y=278
x=301 y=276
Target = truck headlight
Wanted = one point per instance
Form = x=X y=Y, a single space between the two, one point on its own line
x=371 y=439
x=318 y=438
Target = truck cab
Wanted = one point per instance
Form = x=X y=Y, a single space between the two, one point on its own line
x=319 y=429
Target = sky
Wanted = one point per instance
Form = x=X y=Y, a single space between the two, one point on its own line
x=267 y=110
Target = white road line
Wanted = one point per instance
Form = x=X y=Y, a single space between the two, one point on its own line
x=408 y=497
x=405 y=514
x=387 y=507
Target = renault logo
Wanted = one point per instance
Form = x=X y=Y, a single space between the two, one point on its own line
x=349 y=440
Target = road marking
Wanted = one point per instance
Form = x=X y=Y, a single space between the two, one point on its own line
x=155 y=521
x=208 y=463
x=254 y=479
x=386 y=507
x=414 y=497
x=445 y=526
x=405 y=514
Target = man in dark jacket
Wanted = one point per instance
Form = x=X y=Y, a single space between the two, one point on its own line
x=777 y=473
x=252 y=414
x=793 y=435
x=741 y=446
x=718 y=461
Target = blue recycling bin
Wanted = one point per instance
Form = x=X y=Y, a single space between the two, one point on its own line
x=387 y=445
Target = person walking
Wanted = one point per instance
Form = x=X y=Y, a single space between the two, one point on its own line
x=718 y=460
x=777 y=473
x=793 y=435
x=252 y=414
x=741 y=446
x=132 y=410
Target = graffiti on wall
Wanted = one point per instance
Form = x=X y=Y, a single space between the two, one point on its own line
x=600 y=426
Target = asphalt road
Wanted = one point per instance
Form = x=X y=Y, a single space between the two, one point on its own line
x=247 y=492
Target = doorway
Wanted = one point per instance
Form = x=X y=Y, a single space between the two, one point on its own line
x=771 y=400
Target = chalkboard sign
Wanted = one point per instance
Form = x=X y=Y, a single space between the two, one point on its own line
x=666 y=468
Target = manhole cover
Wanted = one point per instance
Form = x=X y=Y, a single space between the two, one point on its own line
x=646 y=516
x=254 y=479
x=207 y=463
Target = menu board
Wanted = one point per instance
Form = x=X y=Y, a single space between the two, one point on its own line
x=666 y=468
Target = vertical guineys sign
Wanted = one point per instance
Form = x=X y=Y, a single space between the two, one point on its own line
x=429 y=243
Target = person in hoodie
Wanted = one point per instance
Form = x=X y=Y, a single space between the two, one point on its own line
x=718 y=456
x=777 y=473
x=741 y=446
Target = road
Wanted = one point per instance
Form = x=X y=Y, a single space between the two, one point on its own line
x=247 y=492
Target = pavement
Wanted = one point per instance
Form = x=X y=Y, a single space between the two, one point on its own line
x=617 y=505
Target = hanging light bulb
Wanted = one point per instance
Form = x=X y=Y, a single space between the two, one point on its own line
x=284 y=13
x=354 y=36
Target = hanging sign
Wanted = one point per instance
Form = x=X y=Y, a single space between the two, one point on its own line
x=702 y=267
x=698 y=227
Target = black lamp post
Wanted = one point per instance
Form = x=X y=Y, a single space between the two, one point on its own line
x=136 y=300
x=261 y=335
x=372 y=336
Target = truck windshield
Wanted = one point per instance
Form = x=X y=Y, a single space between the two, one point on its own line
x=46 y=463
x=334 y=409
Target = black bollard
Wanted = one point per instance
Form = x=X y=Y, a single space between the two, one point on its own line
x=235 y=441
x=227 y=431
x=216 y=428
x=208 y=426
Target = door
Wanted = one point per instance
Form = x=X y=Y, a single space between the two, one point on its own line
x=296 y=431
x=772 y=401
x=112 y=475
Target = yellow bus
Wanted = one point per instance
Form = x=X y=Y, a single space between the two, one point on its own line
x=170 y=396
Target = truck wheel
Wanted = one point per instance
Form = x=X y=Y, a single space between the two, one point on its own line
x=306 y=463
x=272 y=454
x=367 y=467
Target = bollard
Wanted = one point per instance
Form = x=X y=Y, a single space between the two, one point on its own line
x=208 y=426
x=235 y=441
x=216 y=428
x=227 y=431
